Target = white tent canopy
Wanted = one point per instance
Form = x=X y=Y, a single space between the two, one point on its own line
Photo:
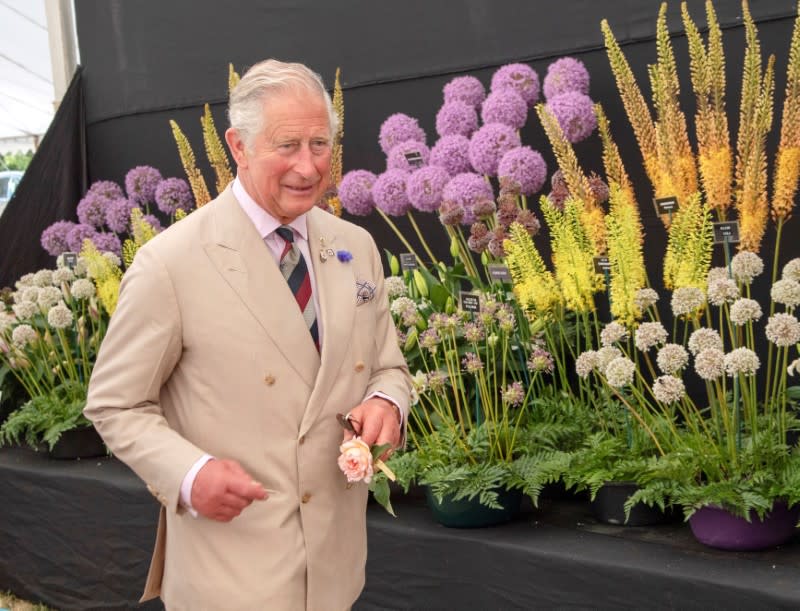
x=27 y=92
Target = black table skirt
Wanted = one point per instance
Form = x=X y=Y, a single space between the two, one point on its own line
x=77 y=535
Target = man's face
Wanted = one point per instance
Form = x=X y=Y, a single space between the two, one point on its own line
x=286 y=168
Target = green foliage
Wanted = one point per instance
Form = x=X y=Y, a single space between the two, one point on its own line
x=16 y=161
x=45 y=417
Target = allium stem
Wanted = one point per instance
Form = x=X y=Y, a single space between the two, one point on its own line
x=422 y=239
x=399 y=234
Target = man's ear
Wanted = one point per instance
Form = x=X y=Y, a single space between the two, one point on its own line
x=236 y=146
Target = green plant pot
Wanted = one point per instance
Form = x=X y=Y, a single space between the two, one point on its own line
x=608 y=507
x=469 y=513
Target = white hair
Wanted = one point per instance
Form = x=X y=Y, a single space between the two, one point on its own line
x=267 y=78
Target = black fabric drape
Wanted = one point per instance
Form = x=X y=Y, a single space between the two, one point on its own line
x=49 y=191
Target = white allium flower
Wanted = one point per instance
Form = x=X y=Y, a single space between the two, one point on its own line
x=26 y=280
x=686 y=300
x=783 y=330
x=791 y=271
x=44 y=277
x=406 y=309
x=794 y=367
x=59 y=316
x=48 y=297
x=395 y=287
x=745 y=310
x=619 y=372
x=6 y=322
x=710 y=363
x=112 y=258
x=420 y=381
x=786 y=292
x=83 y=288
x=672 y=358
x=741 y=360
x=605 y=355
x=645 y=298
x=722 y=291
x=22 y=335
x=612 y=333
x=30 y=293
x=717 y=273
x=63 y=274
x=668 y=389
x=586 y=363
x=25 y=310
x=650 y=334
x=746 y=266
x=704 y=339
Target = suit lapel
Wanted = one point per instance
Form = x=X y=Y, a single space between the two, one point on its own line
x=245 y=262
x=336 y=290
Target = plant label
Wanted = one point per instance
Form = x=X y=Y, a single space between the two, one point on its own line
x=408 y=262
x=499 y=272
x=602 y=265
x=665 y=205
x=70 y=259
x=726 y=232
x=414 y=159
x=470 y=302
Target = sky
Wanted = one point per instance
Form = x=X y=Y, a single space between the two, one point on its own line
x=26 y=78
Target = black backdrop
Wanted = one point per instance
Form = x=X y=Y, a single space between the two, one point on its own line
x=148 y=61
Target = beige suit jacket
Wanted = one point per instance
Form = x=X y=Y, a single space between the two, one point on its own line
x=208 y=353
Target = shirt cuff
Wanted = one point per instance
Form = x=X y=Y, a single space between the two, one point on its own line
x=188 y=482
x=400 y=414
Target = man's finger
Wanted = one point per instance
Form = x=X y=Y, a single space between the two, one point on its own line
x=245 y=487
x=371 y=430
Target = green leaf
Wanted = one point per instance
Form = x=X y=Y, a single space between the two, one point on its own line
x=377 y=451
x=380 y=490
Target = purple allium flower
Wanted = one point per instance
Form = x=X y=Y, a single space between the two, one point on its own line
x=466 y=89
x=598 y=189
x=525 y=167
x=425 y=186
x=398 y=158
x=479 y=237
x=55 y=238
x=574 y=112
x=355 y=192
x=505 y=106
x=456 y=117
x=566 y=74
x=141 y=183
x=173 y=194
x=77 y=234
x=519 y=77
x=498 y=236
x=513 y=394
x=489 y=144
x=389 y=192
x=154 y=222
x=92 y=210
x=540 y=361
x=557 y=198
x=483 y=208
x=451 y=213
x=399 y=128
x=507 y=212
x=106 y=188
x=528 y=220
x=107 y=242
x=118 y=214
x=452 y=154
x=345 y=256
x=466 y=189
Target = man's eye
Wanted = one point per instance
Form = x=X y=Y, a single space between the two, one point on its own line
x=320 y=145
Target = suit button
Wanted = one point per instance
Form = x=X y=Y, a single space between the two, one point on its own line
x=306 y=498
x=302 y=439
x=359 y=366
x=269 y=380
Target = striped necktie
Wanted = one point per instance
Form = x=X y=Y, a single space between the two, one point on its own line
x=294 y=269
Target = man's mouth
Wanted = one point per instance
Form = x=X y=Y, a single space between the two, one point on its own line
x=299 y=190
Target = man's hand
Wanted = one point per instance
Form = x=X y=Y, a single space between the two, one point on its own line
x=222 y=489
x=378 y=422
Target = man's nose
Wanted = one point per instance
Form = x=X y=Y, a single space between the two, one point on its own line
x=304 y=165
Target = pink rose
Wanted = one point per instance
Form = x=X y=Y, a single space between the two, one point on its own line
x=355 y=461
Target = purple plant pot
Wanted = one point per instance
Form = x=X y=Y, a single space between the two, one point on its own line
x=716 y=527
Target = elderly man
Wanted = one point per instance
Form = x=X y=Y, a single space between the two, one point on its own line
x=240 y=333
